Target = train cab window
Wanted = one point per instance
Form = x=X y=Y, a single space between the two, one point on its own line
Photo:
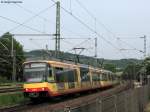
x=34 y=72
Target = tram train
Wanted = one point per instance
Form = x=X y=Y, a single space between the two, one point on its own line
x=51 y=78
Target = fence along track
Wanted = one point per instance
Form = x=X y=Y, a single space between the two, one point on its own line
x=129 y=100
x=132 y=100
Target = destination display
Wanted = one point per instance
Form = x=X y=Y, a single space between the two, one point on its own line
x=35 y=65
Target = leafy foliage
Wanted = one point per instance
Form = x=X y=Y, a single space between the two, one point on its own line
x=110 y=67
x=147 y=65
x=136 y=71
x=132 y=71
x=6 y=59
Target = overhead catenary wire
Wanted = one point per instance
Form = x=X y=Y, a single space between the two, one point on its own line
x=43 y=18
x=36 y=15
x=31 y=12
x=22 y=24
x=42 y=49
x=79 y=44
x=93 y=30
x=97 y=21
x=130 y=45
x=13 y=21
x=88 y=27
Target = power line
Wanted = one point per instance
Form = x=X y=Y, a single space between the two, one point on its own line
x=31 y=18
x=42 y=49
x=80 y=21
x=92 y=16
x=84 y=24
x=31 y=12
x=129 y=45
x=13 y=21
x=79 y=44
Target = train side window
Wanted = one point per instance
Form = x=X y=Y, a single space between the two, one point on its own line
x=112 y=77
x=84 y=74
x=71 y=77
x=95 y=76
x=65 y=75
x=104 y=77
x=100 y=76
x=50 y=72
x=59 y=74
x=108 y=77
x=50 y=77
x=57 y=69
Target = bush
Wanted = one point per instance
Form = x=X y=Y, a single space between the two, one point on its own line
x=4 y=80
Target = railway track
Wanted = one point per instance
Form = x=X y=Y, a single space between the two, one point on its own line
x=54 y=106
x=18 y=107
x=11 y=89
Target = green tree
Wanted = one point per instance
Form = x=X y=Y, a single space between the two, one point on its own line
x=132 y=71
x=6 y=59
x=110 y=67
x=147 y=65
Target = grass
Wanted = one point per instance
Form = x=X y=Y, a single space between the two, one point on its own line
x=10 y=99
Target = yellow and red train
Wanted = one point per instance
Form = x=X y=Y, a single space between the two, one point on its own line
x=55 y=78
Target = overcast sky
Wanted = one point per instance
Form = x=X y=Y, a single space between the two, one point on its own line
x=119 y=23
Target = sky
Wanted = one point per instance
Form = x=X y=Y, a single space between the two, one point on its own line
x=118 y=24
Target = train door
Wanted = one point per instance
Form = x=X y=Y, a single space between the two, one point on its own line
x=50 y=74
x=60 y=78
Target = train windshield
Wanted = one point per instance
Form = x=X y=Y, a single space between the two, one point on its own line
x=34 y=72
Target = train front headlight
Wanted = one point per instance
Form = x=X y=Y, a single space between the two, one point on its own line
x=43 y=89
